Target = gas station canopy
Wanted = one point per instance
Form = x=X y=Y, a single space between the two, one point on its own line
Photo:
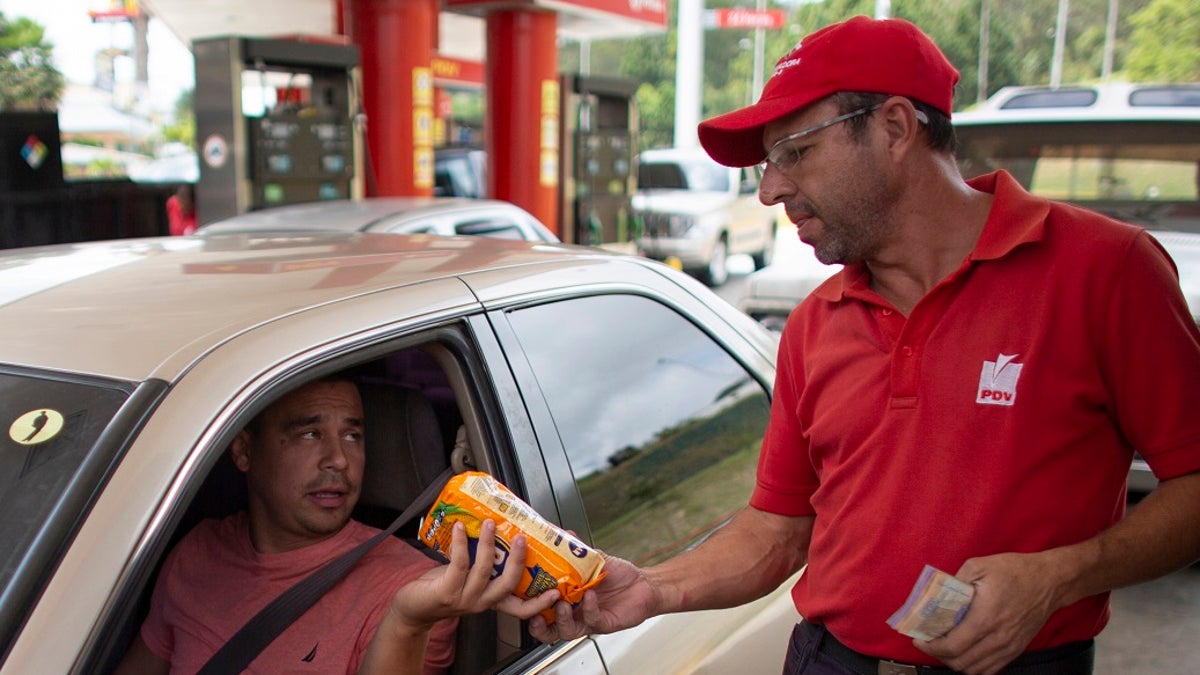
x=460 y=23
x=401 y=48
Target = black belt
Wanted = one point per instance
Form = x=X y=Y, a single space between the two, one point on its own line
x=1074 y=658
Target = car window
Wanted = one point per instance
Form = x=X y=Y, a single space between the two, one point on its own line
x=51 y=425
x=684 y=175
x=1130 y=151
x=1089 y=162
x=707 y=176
x=749 y=182
x=661 y=176
x=458 y=175
x=494 y=227
x=661 y=425
x=412 y=420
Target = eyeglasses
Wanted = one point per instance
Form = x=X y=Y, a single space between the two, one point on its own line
x=786 y=152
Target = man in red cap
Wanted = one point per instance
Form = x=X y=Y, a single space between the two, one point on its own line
x=967 y=393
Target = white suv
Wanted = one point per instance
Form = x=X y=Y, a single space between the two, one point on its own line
x=695 y=213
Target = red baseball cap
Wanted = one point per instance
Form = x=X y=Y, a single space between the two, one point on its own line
x=885 y=56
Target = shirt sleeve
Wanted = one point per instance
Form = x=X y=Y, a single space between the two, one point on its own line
x=1152 y=360
x=786 y=479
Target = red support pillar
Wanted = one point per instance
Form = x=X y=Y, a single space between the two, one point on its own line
x=522 y=110
x=395 y=40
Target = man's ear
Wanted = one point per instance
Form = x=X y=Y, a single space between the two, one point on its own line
x=900 y=123
x=239 y=451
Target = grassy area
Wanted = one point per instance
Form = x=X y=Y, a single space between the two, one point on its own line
x=673 y=490
x=1090 y=178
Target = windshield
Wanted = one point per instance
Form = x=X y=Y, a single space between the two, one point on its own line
x=686 y=175
x=50 y=423
x=1147 y=173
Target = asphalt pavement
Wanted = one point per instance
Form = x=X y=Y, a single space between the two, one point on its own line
x=1155 y=626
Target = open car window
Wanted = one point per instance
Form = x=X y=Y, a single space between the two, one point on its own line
x=421 y=415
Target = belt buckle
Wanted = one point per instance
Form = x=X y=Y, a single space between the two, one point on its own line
x=893 y=668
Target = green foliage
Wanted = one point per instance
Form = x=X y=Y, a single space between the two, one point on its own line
x=1166 y=42
x=656 y=108
x=1156 y=40
x=468 y=107
x=28 y=80
x=183 y=128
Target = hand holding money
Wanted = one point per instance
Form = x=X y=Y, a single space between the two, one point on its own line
x=937 y=603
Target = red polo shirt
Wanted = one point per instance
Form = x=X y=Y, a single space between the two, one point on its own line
x=1000 y=416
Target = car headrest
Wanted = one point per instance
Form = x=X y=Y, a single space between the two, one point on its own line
x=404 y=446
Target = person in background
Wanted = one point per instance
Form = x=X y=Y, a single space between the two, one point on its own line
x=967 y=392
x=181 y=211
x=395 y=612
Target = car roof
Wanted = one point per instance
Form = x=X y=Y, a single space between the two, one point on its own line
x=675 y=155
x=1108 y=102
x=350 y=215
x=124 y=308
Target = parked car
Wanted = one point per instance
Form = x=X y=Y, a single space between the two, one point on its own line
x=1131 y=151
x=774 y=291
x=460 y=171
x=144 y=357
x=695 y=213
x=443 y=216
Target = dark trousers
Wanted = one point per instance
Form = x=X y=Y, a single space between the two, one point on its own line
x=814 y=651
x=805 y=658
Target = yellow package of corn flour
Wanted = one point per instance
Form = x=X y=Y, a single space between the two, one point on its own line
x=555 y=559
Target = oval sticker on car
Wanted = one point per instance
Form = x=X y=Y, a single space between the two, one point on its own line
x=36 y=426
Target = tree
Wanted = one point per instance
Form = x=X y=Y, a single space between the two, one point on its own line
x=1166 y=43
x=28 y=80
x=183 y=127
x=1156 y=40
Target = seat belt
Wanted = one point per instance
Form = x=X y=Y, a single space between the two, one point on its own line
x=264 y=627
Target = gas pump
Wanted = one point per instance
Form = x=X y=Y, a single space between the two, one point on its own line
x=600 y=145
x=276 y=123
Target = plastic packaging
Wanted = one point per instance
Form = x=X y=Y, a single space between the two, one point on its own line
x=555 y=559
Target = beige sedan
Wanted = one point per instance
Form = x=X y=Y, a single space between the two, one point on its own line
x=127 y=367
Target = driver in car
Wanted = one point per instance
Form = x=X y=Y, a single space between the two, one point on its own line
x=395 y=612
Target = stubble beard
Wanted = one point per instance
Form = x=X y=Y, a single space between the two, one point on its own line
x=858 y=224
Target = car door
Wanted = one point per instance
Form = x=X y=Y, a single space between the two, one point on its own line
x=651 y=429
x=174 y=472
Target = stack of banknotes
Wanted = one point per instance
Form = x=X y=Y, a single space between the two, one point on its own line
x=937 y=603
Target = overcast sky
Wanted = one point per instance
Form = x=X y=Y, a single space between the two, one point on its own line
x=76 y=40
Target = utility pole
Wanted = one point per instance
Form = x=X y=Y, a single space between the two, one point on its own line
x=1110 y=39
x=1060 y=39
x=756 y=80
x=985 y=19
x=689 y=72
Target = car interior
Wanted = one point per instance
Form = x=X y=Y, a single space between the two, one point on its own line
x=421 y=417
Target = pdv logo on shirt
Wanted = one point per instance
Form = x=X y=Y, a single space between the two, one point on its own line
x=998 y=381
